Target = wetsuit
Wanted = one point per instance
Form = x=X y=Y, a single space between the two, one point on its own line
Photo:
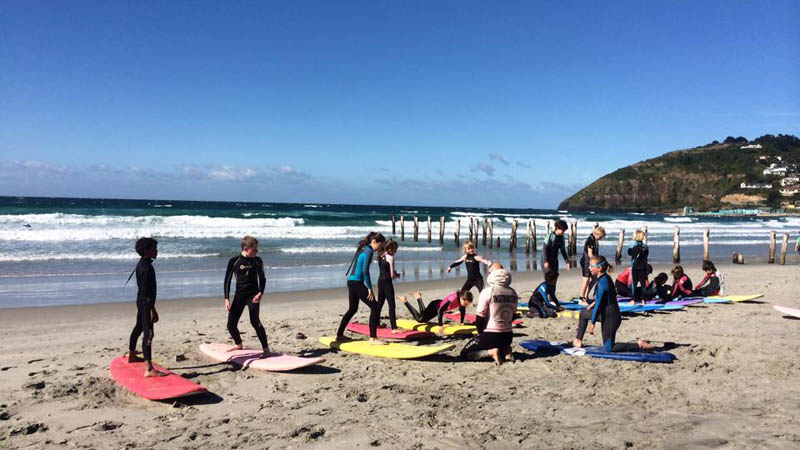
x=638 y=253
x=358 y=284
x=437 y=308
x=496 y=307
x=474 y=277
x=606 y=310
x=682 y=288
x=386 y=287
x=544 y=301
x=659 y=291
x=623 y=282
x=712 y=288
x=591 y=243
x=145 y=302
x=552 y=245
x=250 y=281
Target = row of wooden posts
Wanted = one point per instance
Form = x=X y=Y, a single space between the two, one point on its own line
x=481 y=233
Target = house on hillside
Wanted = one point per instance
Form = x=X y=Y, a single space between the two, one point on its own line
x=790 y=180
x=756 y=186
x=751 y=146
x=790 y=191
x=775 y=169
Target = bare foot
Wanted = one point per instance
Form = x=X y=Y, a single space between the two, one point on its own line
x=396 y=330
x=133 y=357
x=644 y=345
x=509 y=355
x=235 y=347
x=495 y=354
x=151 y=372
x=402 y=299
x=577 y=343
x=416 y=294
x=376 y=341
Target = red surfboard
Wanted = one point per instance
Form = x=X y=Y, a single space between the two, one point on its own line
x=386 y=333
x=131 y=377
x=470 y=318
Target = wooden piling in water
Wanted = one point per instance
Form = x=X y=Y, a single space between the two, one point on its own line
x=706 y=239
x=484 y=231
x=491 y=233
x=771 y=259
x=470 y=230
x=784 y=248
x=512 y=242
x=533 y=236
x=528 y=238
x=645 y=235
x=498 y=241
x=429 y=229
x=618 y=254
x=738 y=258
x=441 y=230
x=676 y=246
x=457 y=232
x=402 y=228
x=477 y=232
x=416 y=229
x=547 y=232
x=394 y=223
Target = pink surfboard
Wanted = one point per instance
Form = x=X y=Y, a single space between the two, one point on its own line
x=470 y=318
x=131 y=377
x=251 y=359
x=386 y=333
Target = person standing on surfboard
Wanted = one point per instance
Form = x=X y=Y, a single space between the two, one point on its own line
x=496 y=307
x=146 y=314
x=359 y=287
x=250 y=284
x=604 y=308
x=473 y=262
x=385 y=283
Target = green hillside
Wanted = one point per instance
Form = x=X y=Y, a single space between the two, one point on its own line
x=706 y=178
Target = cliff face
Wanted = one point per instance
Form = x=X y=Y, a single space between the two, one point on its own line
x=702 y=177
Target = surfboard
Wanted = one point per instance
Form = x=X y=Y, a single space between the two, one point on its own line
x=251 y=358
x=738 y=298
x=788 y=311
x=716 y=300
x=390 y=350
x=131 y=377
x=470 y=319
x=682 y=302
x=547 y=347
x=448 y=330
x=386 y=333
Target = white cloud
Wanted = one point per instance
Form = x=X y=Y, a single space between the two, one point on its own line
x=488 y=169
x=498 y=157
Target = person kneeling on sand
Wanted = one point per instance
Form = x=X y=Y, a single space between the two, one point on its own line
x=496 y=307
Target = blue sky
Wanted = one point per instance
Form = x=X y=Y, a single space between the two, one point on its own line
x=513 y=104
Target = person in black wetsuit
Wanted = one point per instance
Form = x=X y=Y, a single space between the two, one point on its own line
x=543 y=302
x=709 y=285
x=604 y=308
x=250 y=284
x=553 y=245
x=385 y=284
x=146 y=314
x=437 y=308
x=473 y=262
x=659 y=289
x=591 y=248
x=639 y=253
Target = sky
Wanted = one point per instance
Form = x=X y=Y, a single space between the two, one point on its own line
x=462 y=103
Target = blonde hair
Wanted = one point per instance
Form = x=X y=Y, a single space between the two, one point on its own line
x=600 y=230
x=468 y=246
x=638 y=235
x=249 y=242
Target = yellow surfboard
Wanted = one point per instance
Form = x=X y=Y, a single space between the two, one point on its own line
x=391 y=350
x=739 y=298
x=449 y=330
x=568 y=314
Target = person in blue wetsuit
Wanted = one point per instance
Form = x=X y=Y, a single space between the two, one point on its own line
x=639 y=252
x=359 y=286
x=604 y=308
x=543 y=302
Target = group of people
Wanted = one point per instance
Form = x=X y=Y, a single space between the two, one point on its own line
x=496 y=305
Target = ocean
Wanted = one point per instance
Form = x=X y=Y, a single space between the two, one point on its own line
x=60 y=251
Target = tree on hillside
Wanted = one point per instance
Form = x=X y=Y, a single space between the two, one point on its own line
x=773 y=199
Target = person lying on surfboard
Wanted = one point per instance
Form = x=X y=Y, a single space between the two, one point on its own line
x=496 y=307
x=146 y=314
x=437 y=308
x=250 y=284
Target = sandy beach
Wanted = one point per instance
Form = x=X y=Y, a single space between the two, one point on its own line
x=733 y=386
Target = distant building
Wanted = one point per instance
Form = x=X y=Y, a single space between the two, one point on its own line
x=788 y=181
x=751 y=146
x=756 y=186
x=790 y=191
x=773 y=169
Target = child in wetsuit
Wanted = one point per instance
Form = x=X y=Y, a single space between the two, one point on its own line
x=682 y=285
x=624 y=281
x=250 y=284
x=591 y=248
x=473 y=262
x=146 y=314
x=553 y=245
x=639 y=253
x=543 y=302
x=385 y=284
x=659 y=289
x=359 y=286
x=709 y=285
x=604 y=308
x=437 y=308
